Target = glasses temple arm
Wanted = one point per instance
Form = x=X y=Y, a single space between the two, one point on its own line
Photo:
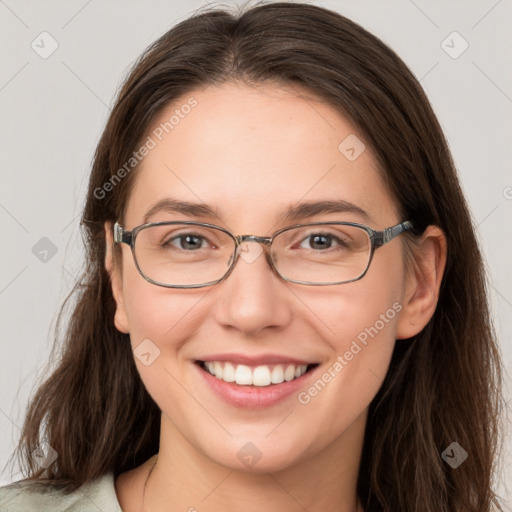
x=121 y=236
x=385 y=236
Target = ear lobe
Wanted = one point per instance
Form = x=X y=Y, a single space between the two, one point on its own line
x=120 y=318
x=423 y=283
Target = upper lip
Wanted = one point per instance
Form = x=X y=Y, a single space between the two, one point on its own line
x=262 y=359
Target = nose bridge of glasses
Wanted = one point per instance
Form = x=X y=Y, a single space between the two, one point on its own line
x=240 y=239
x=253 y=238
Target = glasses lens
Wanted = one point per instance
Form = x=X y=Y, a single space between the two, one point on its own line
x=322 y=254
x=183 y=254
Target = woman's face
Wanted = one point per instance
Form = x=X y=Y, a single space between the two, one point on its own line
x=250 y=154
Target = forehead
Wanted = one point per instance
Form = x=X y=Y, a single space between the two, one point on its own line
x=251 y=152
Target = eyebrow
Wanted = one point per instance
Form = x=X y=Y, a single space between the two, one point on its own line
x=188 y=208
x=312 y=208
x=293 y=213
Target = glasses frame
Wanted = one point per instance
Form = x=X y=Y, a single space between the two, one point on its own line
x=377 y=239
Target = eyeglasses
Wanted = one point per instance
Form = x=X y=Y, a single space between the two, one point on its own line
x=185 y=254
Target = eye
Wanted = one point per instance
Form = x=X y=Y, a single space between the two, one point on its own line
x=321 y=241
x=187 y=242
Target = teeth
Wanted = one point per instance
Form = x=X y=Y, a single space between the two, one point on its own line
x=243 y=375
x=218 y=369
x=262 y=376
x=277 y=374
x=289 y=373
x=229 y=373
x=259 y=376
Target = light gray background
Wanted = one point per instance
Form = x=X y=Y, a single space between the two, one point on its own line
x=53 y=111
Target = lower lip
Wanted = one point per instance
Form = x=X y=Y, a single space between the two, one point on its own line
x=255 y=397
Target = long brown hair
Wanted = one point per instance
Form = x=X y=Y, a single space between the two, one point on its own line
x=443 y=385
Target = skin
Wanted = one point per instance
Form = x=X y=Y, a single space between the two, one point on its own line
x=260 y=149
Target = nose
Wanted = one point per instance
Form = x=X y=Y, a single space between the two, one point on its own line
x=253 y=297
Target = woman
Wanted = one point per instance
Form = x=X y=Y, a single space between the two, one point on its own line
x=283 y=306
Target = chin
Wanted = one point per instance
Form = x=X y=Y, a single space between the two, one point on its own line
x=257 y=457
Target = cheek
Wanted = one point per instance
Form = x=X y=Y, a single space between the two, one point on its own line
x=160 y=314
x=358 y=322
x=361 y=310
x=361 y=345
x=358 y=325
x=161 y=321
x=365 y=341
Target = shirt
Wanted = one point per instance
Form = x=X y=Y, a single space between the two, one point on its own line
x=96 y=496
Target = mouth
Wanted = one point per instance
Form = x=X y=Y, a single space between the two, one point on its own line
x=255 y=376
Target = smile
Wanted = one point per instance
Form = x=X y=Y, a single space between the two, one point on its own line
x=260 y=376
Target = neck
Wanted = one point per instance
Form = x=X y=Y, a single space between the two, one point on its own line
x=186 y=479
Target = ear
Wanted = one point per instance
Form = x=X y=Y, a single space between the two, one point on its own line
x=423 y=282
x=116 y=280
